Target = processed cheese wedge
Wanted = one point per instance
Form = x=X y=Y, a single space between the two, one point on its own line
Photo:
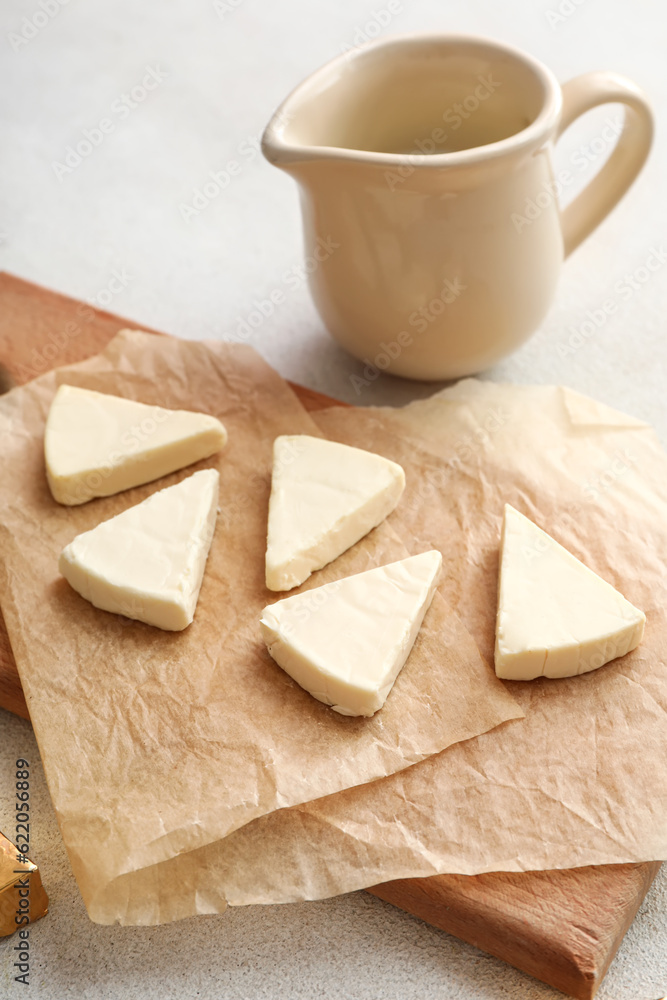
x=556 y=617
x=346 y=642
x=325 y=496
x=96 y=444
x=148 y=562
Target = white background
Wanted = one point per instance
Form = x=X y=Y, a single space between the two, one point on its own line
x=119 y=211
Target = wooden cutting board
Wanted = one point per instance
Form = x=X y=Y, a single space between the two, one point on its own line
x=563 y=927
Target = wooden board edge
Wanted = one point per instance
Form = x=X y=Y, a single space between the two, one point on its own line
x=475 y=909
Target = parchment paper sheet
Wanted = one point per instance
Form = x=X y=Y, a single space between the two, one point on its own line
x=155 y=744
x=581 y=780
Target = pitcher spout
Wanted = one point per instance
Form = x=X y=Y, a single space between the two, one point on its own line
x=294 y=139
x=280 y=143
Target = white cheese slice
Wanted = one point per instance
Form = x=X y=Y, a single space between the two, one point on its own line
x=556 y=617
x=346 y=642
x=325 y=496
x=96 y=444
x=148 y=562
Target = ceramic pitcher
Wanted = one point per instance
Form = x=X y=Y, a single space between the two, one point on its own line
x=424 y=165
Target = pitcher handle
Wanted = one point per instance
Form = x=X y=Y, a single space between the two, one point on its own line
x=590 y=207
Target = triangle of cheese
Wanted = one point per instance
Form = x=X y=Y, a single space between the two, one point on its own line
x=556 y=617
x=96 y=444
x=325 y=496
x=148 y=562
x=346 y=642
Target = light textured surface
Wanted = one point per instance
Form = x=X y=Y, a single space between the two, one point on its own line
x=112 y=231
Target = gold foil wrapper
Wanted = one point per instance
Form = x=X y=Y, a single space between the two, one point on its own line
x=22 y=896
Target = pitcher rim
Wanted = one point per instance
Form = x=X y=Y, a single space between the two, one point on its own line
x=282 y=153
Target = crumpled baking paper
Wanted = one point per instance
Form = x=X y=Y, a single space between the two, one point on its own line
x=581 y=780
x=157 y=744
